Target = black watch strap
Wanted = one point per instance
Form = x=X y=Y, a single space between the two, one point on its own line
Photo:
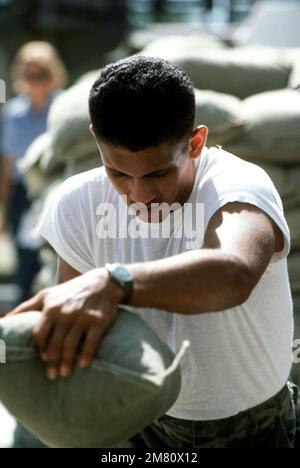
x=123 y=277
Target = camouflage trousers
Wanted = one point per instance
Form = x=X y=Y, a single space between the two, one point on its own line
x=273 y=424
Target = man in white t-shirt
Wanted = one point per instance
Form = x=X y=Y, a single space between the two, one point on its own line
x=195 y=241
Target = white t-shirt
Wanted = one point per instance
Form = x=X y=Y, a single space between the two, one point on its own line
x=238 y=358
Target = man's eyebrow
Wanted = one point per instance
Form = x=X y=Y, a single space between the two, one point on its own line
x=146 y=175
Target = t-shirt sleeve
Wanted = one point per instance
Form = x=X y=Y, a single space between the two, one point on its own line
x=246 y=183
x=65 y=225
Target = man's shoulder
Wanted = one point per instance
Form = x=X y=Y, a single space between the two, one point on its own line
x=226 y=176
x=216 y=155
x=219 y=162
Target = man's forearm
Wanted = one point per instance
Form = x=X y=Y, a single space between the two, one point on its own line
x=194 y=282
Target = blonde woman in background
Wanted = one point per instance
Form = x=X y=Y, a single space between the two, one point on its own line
x=37 y=74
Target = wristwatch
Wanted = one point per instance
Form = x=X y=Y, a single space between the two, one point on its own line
x=123 y=277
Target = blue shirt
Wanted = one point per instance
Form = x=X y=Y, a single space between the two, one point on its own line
x=21 y=125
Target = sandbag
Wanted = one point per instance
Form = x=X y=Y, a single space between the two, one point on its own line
x=293 y=55
x=279 y=176
x=82 y=165
x=272 y=128
x=89 y=77
x=36 y=180
x=47 y=276
x=293 y=220
x=241 y=72
x=287 y=182
x=221 y=113
x=68 y=126
x=181 y=44
x=133 y=380
x=293 y=182
x=294 y=273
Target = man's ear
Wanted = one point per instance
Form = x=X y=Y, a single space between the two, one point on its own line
x=198 y=141
x=92 y=129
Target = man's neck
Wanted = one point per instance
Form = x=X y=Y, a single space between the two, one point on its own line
x=186 y=193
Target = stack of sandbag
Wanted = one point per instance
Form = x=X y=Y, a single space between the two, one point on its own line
x=68 y=127
x=173 y=37
x=240 y=96
x=248 y=98
x=177 y=44
x=271 y=138
x=221 y=113
x=271 y=133
x=241 y=72
x=67 y=148
x=293 y=55
x=37 y=179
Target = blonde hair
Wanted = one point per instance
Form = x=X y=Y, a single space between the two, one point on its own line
x=45 y=56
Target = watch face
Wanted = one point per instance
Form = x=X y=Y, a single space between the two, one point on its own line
x=123 y=274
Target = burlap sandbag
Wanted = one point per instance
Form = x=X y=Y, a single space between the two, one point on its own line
x=86 y=164
x=89 y=77
x=241 y=72
x=134 y=379
x=287 y=183
x=293 y=55
x=221 y=113
x=293 y=220
x=36 y=179
x=279 y=176
x=68 y=126
x=272 y=133
x=181 y=44
x=293 y=183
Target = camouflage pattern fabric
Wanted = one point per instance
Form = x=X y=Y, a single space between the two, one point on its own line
x=273 y=424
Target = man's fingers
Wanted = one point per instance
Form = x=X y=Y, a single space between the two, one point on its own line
x=54 y=351
x=42 y=332
x=90 y=346
x=70 y=350
x=34 y=304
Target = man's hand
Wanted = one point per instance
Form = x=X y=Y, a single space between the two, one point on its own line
x=77 y=312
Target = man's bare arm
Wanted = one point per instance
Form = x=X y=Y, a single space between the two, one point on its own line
x=239 y=243
x=65 y=272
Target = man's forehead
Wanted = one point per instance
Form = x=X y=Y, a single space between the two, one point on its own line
x=140 y=162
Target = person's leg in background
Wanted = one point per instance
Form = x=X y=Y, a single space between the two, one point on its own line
x=28 y=263
x=17 y=206
x=28 y=267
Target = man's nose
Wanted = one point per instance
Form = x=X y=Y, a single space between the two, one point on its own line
x=142 y=191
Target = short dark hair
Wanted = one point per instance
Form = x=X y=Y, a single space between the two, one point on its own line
x=141 y=102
